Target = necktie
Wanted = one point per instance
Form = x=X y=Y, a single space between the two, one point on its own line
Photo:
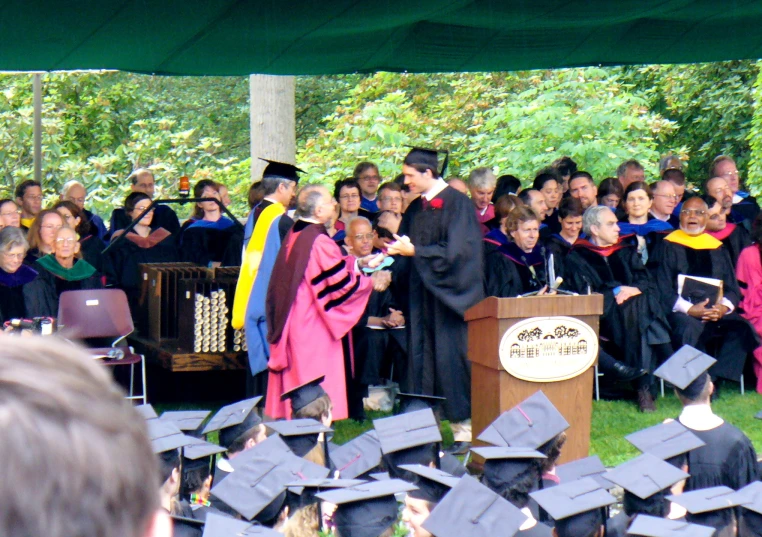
x=425 y=202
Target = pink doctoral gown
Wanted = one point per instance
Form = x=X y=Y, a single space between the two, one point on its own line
x=749 y=274
x=330 y=300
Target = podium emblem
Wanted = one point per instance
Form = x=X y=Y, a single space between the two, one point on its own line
x=548 y=349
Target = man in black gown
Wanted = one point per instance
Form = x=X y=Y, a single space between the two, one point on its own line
x=442 y=244
x=142 y=180
x=710 y=325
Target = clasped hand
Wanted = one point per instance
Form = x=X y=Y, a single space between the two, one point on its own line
x=711 y=314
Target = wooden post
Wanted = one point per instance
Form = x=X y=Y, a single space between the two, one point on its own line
x=273 y=120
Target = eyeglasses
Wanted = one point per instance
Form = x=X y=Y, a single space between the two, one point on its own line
x=349 y=197
x=674 y=198
x=693 y=212
x=66 y=240
x=387 y=199
x=367 y=237
x=9 y=255
x=17 y=211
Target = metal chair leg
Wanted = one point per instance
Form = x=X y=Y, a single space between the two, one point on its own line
x=145 y=388
x=742 y=386
x=597 y=385
x=661 y=383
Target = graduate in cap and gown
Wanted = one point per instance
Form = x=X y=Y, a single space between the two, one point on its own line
x=750 y=516
x=711 y=506
x=432 y=485
x=727 y=457
x=225 y=526
x=411 y=438
x=697 y=317
x=60 y=271
x=579 y=507
x=197 y=465
x=442 y=241
x=318 y=296
x=265 y=229
x=650 y=526
x=14 y=274
x=210 y=238
x=358 y=458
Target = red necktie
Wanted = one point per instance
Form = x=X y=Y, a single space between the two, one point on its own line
x=424 y=202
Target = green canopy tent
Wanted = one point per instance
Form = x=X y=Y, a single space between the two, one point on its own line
x=238 y=37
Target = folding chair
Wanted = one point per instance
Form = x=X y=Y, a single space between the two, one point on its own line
x=103 y=314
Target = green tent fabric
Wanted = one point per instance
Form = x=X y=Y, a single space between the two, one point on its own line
x=238 y=37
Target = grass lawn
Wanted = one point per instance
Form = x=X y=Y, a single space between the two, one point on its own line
x=612 y=421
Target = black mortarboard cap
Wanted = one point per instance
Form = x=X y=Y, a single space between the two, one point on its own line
x=201 y=450
x=531 y=423
x=502 y=464
x=665 y=440
x=428 y=157
x=165 y=436
x=185 y=526
x=358 y=456
x=300 y=435
x=234 y=420
x=147 y=411
x=303 y=395
x=410 y=402
x=685 y=370
x=225 y=526
x=588 y=467
x=706 y=500
x=281 y=170
x=366 y=510
x=307 y=489
x=471 y=509
x=380 y=476
x=574 y=498
x=651 y=526
x=406 y=431
x=432 y=484
x=187 y=420
x=750 y=496
x=645 y=476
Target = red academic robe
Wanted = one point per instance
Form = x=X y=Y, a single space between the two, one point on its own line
x=329 y=301
x=488 y=215
x=749 y=274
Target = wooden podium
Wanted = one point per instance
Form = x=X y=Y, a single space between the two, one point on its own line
x=494 y=390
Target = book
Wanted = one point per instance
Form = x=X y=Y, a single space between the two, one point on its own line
x=696 y=289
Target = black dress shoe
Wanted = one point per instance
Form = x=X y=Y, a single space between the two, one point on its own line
x=458 y=448
x=625 y=373
x=646 y=401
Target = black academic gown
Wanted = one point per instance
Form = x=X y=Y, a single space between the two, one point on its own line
x=627 y=325
x=616 y=526
x=532 y=266
x=734 y=238
x=501 y=279
x=443 y=283
x=728 y=459
x=41 y=295
x=91 y=248
x=12 y=299
x=220 y=242
x=558 y=246
x=730 y=339
x=163 y=216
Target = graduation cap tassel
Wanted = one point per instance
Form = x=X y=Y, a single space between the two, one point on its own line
x=445 y=162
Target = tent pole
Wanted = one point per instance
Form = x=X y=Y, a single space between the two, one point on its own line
x=37 y=88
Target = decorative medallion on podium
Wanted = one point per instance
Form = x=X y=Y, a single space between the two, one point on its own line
x=548 y=349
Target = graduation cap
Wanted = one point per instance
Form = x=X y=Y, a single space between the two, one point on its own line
x=358 y=456
x=427 y=157
x=750 y=497
x=665 y=440
x=381 y=476
x=410 y=402
x=503 y=464
x=303 y=395
x=185 y=526
x=166 y=436
x=531 y=423
x=199 y=455
x=651 y=526
x=225 y=526
x=407 y=431
x=707 y=500
x=587 y=467
x=304 y=492
x=273 y=447
x=686 y=369
x=366 y=510
x=147 y=411
x=471 y=509
x=645 y=476
x=432 y=484
x=300 y=435
x=281 y=170
x=234 y=420
x=187 y=420
x=574 y=498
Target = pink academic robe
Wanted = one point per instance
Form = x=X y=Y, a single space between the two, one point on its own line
x=322 y=313
x=749 y=271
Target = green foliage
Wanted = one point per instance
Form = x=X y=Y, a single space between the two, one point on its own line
x=710 y=104
x=754 y=173
x=516 y=122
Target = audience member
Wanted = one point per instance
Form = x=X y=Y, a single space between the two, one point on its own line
x=209 y=238
x=347 y=195
x=733 y=237
x=14 y=274
x=29 y=198
x=536 y=201
x=75 y=192
x=702 y=316
x=255 y=194
x=570 y=217
x=10 y=214
x=565 y=167
x=582 y=187
x=142 y=180
x=82 y=463
x=744 y=204
x=633 y=326
x=91 y=247
x=527 y=253
x=481 y=184
x=629 y=172
x=665 y=200
x=547 y=184
x=42 y=234
x=639 y=228
x=367 y=177
x=506 y=184
x=610 y=194
x=390 y=197
x=501 y=279
x=441 y=234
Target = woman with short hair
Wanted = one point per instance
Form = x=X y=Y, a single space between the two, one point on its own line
x=10 y=214
x=14 y=274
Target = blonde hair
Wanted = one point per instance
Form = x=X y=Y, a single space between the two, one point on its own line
x=304 y=522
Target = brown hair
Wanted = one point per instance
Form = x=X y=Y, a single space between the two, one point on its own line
x=505 y=204
x=75 y=450
x=303 y=522
x=317 y=409
x=33 y=236
x=198 y=191
x=256 y=194
x=83 y=229
x=519 y=215
x=638 y=185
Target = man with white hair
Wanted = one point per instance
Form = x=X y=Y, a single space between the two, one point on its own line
x=481 y=184
x=75 y=192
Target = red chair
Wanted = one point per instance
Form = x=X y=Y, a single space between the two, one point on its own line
x=102 y=314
